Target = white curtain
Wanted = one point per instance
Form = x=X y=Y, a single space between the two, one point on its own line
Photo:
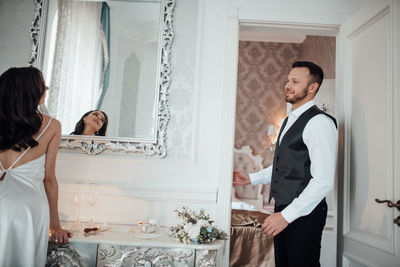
x=77 y=68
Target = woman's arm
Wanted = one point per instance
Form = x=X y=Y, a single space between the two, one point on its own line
x=57 y=234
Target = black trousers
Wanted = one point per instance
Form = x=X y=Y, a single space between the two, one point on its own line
x=299 y=244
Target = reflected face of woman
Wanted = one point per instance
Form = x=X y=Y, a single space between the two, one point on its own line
x=95 y=119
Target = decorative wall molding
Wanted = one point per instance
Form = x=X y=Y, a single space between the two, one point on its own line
x=372 y=240
x=289 y=16
x=347 y=258
x=290 y=27
x=197 y=194
x=257 y=36
x=365 y=24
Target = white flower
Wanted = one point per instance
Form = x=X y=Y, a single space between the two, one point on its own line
x=193 y=230
x=202 y=223
x=187 y=226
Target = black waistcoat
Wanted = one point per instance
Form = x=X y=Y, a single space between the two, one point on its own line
x=291 y=169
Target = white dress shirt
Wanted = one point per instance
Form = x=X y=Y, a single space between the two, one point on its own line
x=320 y=137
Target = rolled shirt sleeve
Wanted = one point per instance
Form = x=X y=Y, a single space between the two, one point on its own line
x=320 y=136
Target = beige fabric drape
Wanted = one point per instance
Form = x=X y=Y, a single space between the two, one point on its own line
x=249 y=246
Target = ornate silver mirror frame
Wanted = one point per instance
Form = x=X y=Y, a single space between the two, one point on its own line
x=97 y=145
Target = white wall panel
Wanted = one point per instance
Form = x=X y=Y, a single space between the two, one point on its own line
x=371 y=134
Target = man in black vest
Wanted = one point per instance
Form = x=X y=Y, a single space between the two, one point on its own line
x=302 y=173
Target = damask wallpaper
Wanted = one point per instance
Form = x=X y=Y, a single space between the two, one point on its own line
x=181 y=91
x=260 y=100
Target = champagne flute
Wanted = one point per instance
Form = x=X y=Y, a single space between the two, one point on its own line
x=77 y=201
x=92 y=199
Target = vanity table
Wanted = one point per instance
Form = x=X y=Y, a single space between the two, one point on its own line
x=126 y=245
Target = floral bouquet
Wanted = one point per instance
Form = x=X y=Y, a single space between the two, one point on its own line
x=196 y=228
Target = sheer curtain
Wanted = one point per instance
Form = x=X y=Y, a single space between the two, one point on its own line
x=105 y=35
x=75 y=84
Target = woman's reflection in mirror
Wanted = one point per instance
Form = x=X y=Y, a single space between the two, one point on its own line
x=93 y=122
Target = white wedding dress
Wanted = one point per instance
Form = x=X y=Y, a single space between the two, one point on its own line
x=24 y=213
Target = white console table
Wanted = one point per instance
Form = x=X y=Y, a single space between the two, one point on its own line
x=126 y=245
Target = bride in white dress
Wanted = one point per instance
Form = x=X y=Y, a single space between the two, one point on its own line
x=28 y=185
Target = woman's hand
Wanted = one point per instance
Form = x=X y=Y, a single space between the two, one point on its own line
x=240 y=178
x=59 y=236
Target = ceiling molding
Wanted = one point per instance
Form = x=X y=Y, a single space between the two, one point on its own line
x=258 y=36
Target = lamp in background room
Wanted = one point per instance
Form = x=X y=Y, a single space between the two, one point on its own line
x=271 y=132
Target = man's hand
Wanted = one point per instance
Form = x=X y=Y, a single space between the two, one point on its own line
x=274 y=224
x=240 y=178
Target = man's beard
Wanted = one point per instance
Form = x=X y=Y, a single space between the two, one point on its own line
x=297 y=98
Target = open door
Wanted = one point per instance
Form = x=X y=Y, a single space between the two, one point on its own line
x=368 y=82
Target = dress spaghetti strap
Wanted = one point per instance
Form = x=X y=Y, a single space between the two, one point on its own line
x=47 y=126
x=23 y=153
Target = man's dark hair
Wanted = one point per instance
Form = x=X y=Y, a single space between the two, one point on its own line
x=316 y=73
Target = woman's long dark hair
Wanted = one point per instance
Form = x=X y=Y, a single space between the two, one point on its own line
x=20 y=92
x=80 y=125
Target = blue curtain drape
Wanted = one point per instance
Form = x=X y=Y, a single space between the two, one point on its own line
x=105 y=24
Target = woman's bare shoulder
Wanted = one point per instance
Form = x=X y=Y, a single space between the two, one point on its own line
x=54 y=126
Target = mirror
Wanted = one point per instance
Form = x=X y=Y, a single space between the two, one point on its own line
x=112 y=56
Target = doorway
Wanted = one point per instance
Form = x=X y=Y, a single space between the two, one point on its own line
x=266 y=53
x=367 y=108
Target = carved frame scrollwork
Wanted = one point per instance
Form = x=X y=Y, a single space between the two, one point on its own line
x=36 y=33
x=94 y=146
x=64 y=255
x=206 y=258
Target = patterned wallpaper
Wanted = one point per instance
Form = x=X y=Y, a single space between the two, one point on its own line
x=262 y=72
x=181 y=91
